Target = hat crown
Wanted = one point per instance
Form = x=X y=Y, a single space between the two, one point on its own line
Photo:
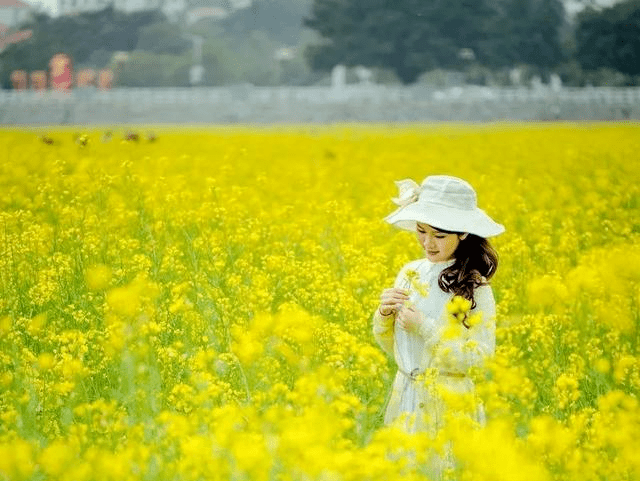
x=449 y=192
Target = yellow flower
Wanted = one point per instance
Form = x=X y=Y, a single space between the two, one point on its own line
x=6 y=379
x=45 y=361
x=458 y=310
x=602 y=365
x=458 y=305
x=190 y=274
x=64 y=387
x=547 y=291
x=474 y=319
x=413 y=278
x=124 y=300
x=17 y=460
x=5 y=324
x=37 y=323
x=56 y=458
x=566 y=390
x=98 y=277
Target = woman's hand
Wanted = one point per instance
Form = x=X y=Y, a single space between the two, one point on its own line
x=392 y=300
x=409 y=318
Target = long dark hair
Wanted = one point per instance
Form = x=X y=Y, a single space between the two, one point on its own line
x=475 y=263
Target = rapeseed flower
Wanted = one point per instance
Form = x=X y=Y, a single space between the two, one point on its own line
x=460 y=318
x=46 y=361
x=167 y=302
x=17 y=460
x=547 y=291
x=566 y=390
x=55 y=459
x=413 y=278
x=98 y=277
x=36 y=324
x=5 y=324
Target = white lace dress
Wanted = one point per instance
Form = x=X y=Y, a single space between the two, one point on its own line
x=445 y=360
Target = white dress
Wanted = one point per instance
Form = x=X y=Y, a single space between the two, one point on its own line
x=432 y=352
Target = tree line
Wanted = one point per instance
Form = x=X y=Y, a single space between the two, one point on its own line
x=414 y=36
x=404 y=38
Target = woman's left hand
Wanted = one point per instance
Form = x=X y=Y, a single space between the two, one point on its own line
x=409 y=319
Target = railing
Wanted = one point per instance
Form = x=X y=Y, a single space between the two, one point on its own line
x=351 y=103
x=376 y=94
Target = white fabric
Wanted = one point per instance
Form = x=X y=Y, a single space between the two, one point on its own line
x=408 y=192
x=442 y=202
x=428 y=349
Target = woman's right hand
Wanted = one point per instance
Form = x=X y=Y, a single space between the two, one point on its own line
x=392 y=300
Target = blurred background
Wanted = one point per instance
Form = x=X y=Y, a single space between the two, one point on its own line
x=101 y=61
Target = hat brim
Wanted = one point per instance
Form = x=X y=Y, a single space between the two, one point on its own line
x=474 y=221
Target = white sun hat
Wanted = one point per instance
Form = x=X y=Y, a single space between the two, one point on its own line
x=443 y=202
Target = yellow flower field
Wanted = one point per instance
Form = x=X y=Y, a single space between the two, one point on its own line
x=196 y=304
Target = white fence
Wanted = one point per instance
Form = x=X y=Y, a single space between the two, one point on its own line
x=245 y=103
x=324 y=95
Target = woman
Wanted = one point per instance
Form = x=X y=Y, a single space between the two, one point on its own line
x=437 y=321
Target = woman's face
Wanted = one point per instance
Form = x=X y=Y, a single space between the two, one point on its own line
x=438 y=246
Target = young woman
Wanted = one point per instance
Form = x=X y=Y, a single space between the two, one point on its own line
x=437 y=321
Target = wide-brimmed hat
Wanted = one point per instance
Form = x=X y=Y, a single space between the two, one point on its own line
x=443 y=202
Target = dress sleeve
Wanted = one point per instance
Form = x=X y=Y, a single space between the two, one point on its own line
x=383 y=326
x=475 y=344
x=383 y=331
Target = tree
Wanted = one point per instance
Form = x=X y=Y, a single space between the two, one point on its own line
x=147 y=69
x=162 y=37
x=80 y=37
x=413 y=36
x=281 y=20
x=526 y=32
x=610 y=38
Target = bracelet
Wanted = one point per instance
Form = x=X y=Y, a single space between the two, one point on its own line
x=384 y=315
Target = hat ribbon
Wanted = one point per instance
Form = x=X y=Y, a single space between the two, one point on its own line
x=409 y=191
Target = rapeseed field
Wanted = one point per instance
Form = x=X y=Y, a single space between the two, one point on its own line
x=196 y=304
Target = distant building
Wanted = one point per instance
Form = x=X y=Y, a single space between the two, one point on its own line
x=69 y=7
x=195 y=14
x=573 y=7
x=14 y=12
x=175 y=10
x=196 y=10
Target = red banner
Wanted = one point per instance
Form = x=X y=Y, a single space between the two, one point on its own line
x=86 y=77
x=61 y=69
x=105 y=79
x=39 y=80
x=19 y=79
